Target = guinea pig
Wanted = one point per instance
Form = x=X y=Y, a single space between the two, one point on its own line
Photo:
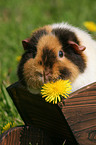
x=58 y=51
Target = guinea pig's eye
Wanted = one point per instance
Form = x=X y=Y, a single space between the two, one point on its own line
x=61 y=54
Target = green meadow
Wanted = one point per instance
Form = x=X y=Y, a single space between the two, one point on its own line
x=18 y=18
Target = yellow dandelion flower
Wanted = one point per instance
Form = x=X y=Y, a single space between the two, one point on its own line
x=7 y=126
x=91 y=26
x=52 y=92
x=18 y=58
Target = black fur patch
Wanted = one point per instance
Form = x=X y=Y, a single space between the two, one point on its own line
x=64 y=35
x=77 y=59
x=48 y=57
x=64 y=73
x=25 y=57
x=32 y=45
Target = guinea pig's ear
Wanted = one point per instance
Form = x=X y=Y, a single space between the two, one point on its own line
x=77 y=47
x=25 y=43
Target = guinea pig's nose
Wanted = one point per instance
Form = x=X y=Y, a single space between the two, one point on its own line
x=47 y=75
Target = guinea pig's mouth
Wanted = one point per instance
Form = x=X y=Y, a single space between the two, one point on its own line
x=35 y=88
x=35 y=85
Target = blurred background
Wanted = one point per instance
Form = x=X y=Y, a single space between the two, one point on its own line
x=18 y=18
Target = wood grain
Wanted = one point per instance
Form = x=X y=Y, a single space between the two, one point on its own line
x=25 y=135
x=80 y=113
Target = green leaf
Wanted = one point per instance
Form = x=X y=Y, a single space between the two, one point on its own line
x=8 y=99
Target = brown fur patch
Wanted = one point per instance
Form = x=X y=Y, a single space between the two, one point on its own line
x=65 y=63
x=31 y=71
x=49 y=41
x=48 y=28
x=72 y=68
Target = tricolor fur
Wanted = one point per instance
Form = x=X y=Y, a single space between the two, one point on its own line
x=56 y=52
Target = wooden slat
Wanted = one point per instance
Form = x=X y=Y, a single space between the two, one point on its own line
x=25 y=135
x=80 y=113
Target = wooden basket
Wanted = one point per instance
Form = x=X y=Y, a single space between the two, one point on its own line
x=72 y=121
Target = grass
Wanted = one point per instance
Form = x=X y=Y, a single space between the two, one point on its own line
x=17 y=20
